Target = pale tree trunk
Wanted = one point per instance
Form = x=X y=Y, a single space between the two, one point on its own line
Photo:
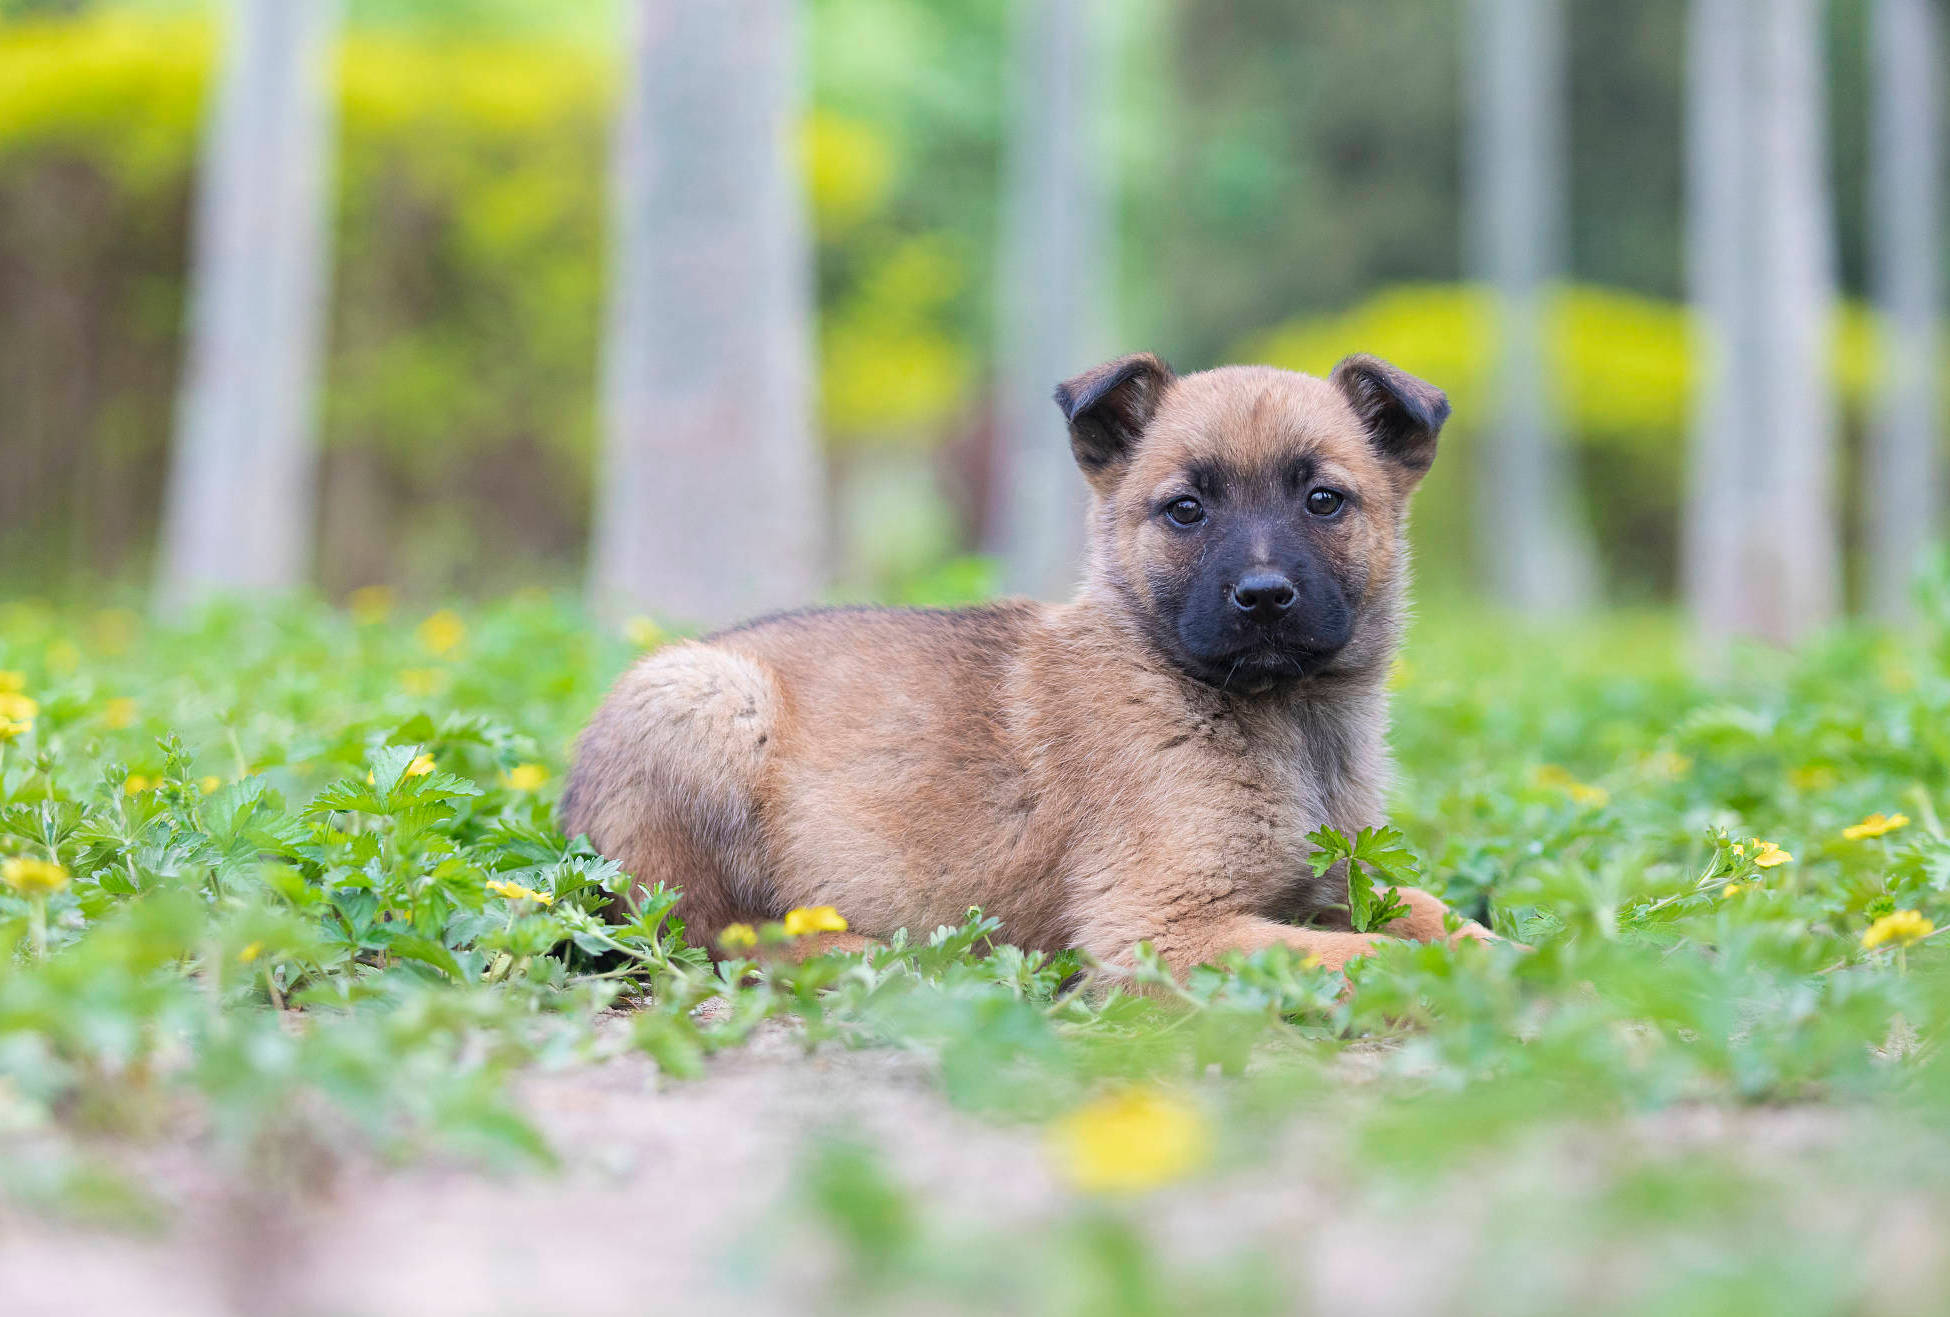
x=1056 y=242
x=710 y=488
x=1762 y=552
x=1905 y=472
x=239 y=504
x=1536 y=547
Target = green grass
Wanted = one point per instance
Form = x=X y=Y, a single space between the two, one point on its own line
x=249 y=845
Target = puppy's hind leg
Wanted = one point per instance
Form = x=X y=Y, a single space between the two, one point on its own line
x=667 y=782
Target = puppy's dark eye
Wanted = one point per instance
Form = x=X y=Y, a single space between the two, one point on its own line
x=1185 y=511
x=1325 y=502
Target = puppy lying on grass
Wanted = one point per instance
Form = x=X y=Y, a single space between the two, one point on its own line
x=1143 y=763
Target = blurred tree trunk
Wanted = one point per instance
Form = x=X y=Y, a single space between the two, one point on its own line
x=1535 y=543
x=710 y=488
x=239 y=503
x=1056 y=241
x=1762 y=549
x=1904 y=471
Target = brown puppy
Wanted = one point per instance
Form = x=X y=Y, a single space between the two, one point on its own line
x=1142 y=763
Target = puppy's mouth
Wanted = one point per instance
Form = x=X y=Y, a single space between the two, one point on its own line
x=1258 y=670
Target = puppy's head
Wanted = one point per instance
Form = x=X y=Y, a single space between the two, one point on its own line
x=1250 y=520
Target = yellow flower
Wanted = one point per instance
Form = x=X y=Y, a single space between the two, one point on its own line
x=1130 y=1142
x=1875 y=825
x=420 y=767
x=813 y=919
x=208 y=785
x=1767 y=854
x=643 y=633
x=1902 y=927
x=1735 y=889
x=119 y=713
x=516 y=892
x=137 y=784
x=18 y=708
x=251 y=952
x=31 y=877
x=1582 y=793
x=526 y=777
x=370 y=604
x=1813 y=777
x=737 y=937
x=443 y=632
x=9 y=729
x=12 y=683
x=423 y=681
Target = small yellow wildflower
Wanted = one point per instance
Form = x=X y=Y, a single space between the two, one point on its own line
x=370 y=604
x=737 y=937
x=1735 y=889
x=12 y=683
x=1582 y=793
x=119 y=714
x=643 y=633
x=32 y=877
x=813 y=919
x=1813 y=777
x=423 y=681
x=114 y=630
x=209 y=785
x=1129 y=1142
x=9 y=729
x=1876 y=825
x=526 y=777
x=443 y=632
x=251 y=952
x=516 y=892
x=420 y=767
x=137 y=784
x=18 y=708
x=1767 y=854
x=1901 y=927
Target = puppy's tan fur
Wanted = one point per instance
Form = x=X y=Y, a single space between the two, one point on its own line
x=1051 y=764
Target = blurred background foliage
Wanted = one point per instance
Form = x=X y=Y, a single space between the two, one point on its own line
x=1288 y=191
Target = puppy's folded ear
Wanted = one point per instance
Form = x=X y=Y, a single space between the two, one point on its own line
x=1108 y=407
x=1402 y=415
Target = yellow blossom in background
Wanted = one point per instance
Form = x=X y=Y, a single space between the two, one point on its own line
x=847 y=164
x=813 y=919
x=423 y=681
x=63 y=656
x=1902 y=928
x=1813 y=777
x=1583 y=793
x=643 y=633
x=1735 y=889
x=1129 y=1142
x=370 y=604
x=526 y=777
x=737 y=937
x=32 y=877
x=12 y=683
x=420 y=767
x=113 y=630
x=516 y=892
x=137 y=784
x=9 y=728
x=1876 y=825
x=1767 y=854
x=251 y=952
x=442 y=633
x=209 y=785
x=15 y=707
x=119 y=714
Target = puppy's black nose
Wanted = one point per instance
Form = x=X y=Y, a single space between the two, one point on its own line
x=1263 y=594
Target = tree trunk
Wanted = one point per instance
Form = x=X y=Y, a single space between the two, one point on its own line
x=1904 y=469
x=1056 y=238
x=239 y=504
x=710 y=493
x=1536 y=548
x=1761 y=550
